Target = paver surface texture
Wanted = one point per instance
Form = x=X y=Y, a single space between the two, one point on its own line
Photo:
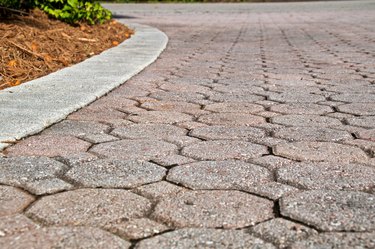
x=254 y=129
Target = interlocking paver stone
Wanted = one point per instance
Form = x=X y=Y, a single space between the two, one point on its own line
x=98 y=138
x=148 y=131
x=13 y=200
x=115 y=173
x=218 y=208
x=218 y=132
x=354 y=97
x=223 y=150
x=365 y=109
x=235 y=97
x=137 y=229
x=320 y=151
x=48 y=145
x=272 y=162
x=219 y=175
x=76 y=128
x=312 y=134
x=367 y=135
x=89 y=207
x=337 y=240
x=298 y=97
x=64 y=237
x=175 y=106
x=15 y=224
x=236 y=107
x=204 y=238
x=328 y=176
x=141 y=149
x=160 y=117
x=330 y=210
x=282 y=232
x=363 y=121
x=306 y=120
x=272 y=190
x=175 y=96
x=231 y=119
x=158 y=190
x=36 y=174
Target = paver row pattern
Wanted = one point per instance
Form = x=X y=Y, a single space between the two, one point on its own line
x=254 y=131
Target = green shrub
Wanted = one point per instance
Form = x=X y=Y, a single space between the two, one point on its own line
x=73 y=11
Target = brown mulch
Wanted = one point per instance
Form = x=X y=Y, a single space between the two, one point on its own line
x=34 y=45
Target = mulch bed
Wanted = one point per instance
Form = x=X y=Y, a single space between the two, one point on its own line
x=34 y=45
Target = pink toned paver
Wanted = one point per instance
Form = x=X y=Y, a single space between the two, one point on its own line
x=253 y=129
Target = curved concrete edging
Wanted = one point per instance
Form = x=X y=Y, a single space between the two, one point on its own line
x=29 y=108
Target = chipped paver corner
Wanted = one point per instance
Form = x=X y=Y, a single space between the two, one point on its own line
x=29 y=108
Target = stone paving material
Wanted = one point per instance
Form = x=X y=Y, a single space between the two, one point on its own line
x=255 y=131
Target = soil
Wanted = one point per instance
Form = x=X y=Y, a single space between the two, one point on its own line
x=34 y=45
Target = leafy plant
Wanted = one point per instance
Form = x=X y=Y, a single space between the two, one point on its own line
x=73 y=11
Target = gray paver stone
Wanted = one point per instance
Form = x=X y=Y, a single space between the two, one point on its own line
x=134 y=149
x=158 y=190
x=298 y=97
x=282 y=232
x=320 y=151
x=115 y=173
x=312 y=134
x=217 y=208
x=223 y=150
x=365 y=109
x=301 y=108
x=64 y=237
x=217 y=132
x=13 y=200
x=337 y=240
x=219 y=175
x=327 y=176
x=76 y=128
x=204 y=238
x=36 y=174
x=15 y=224
x=330 y=210
x=354 y=97
x=306 y=120
x=48 y=145
x=236 y=107
x=366 y=121
x=272 y=190
x=160 y=117
x=89 y=207
x=148 y=131
x=238 y=119
x=174 y=106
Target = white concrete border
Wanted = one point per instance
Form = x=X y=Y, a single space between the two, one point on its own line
x=29 y=108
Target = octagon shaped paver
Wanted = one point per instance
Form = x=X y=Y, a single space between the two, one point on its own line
x=330 y=210
x=219 y=175
x=236 y=107
x=116 y=173
x=312 y=134
x=301 y=108
x=89 y=207
x=223 y=150
x=306 y=120
x=320 y=151
x=367 y=121
x=328 y=176
x=13 y=200
x=148 y=131
x=135 y=149
x=228 y=133
x=358 y=108
x=231 y=119
x=204 y=238
x=228 y=209
x=160 y=117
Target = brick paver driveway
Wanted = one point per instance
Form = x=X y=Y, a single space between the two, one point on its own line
x=254 y=129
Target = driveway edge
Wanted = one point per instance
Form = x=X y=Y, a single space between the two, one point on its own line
x=31 y=107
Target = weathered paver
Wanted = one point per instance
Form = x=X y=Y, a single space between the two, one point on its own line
x=218 y=132
x=141 y=149
x=223 y=150
x=363 y=121
x=90 y=207
x=115 y=173
x=148 y=131
x=64 y=237
x=36 y=174
x=231 y=119
x=301 y=108
x=365 y=109
x=312 y=134
x=158 y=190
x=320 y=151
x=328 y=176
x=76 y=128
x=15 y=224
x=219 y=175
x=337 y=240
x=160 y=117
x=13 y=200
x=282 y=232
x=175 y=106
x=236 y=107
x=204 y=238
x=306 y=120
x=330 y=210
x=218 y=208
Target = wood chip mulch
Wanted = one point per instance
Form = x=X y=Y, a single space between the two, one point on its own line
x=34 y=45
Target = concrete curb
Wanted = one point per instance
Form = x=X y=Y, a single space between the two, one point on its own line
x=29 y=108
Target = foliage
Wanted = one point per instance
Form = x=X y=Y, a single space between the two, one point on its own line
x=73 y=11
x=70 y=11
